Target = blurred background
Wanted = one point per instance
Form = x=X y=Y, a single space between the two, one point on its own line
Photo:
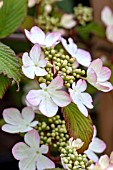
x=90 y=36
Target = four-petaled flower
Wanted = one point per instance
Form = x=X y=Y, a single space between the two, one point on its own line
x=67 y=21
x=96 y=146
x=30 y=153
x=83 y=57
x=34 y=64
x=107 y=18
x=17 y=122
x=79 y=98
x=76 y=144
x=97 y=75
x=49 y=97
x=36 y=35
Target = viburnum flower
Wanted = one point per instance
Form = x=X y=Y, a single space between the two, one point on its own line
x=96 y=146
x=107 y=18
x=83 y=57
x=30 y=154
x=34 y=63
x=97 y=75
x=17 y=122
x=77 y=144
x=67 y=21
x=104 y=163
x=36 y=35
x=49 y=97
x=81 y=98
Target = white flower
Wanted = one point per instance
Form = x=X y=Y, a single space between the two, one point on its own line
x=96 y=146
x=77 y=144
x=1 y=4
x=50 y=97
x=83 y=57
x=17 y=122
x=67 y=21
x=82 y=100
x=36 y=35
x=30 y=153
x=34 y=64
x=97 y=75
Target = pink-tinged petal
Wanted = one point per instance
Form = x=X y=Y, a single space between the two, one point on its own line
x=61 y=98
x=105 y=74
x=34 y=97
x=44 y=163
x=31 y=3
x=91 y=155
x=28 y=114
x=29 y=71
x=97 y=145
x=81 y=85
x=56 y=83
x=48 y=107
x=32 y=138
x=111 y=157
x=27 y=62
x=40 y=71
x=105 y=86
x=34 y=123
x=44 y=149
x=83 y=57
x=71 y=48
x=35 y=53
x=91 y=76
x=87 y=100
x=109 y=33
x=96 y=65
x=20 y=151
x=42 y=62
x=52 y=39
x=11 y=128
x=107 y=16
x=104 y=161
x=12 y=116
x=28 y=163
x=36 y=35
x=95 y=131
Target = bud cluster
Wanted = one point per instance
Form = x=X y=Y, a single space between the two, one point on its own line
x=59 y=63
x=83 y=14
x=72 y=160
x=53 y=132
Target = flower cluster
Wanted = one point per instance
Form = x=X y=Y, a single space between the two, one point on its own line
x=62 y=72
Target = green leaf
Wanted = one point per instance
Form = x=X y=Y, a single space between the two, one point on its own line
x=84 y=31
x=11 y=16
x=66 y=5
x=4 y=84
x=78 y=125
x=9 y=65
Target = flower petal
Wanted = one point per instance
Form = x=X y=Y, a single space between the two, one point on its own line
x=12 y=116
x=28 y=163
x=29 y=71
x=87 y=100
x=36 y=35
x=83 y=57
x=61 y=98
x=107 y=16
x=32 y=138
x=28 y=114
x=11 y=128
x=27 y=60
x=91 y=76
x=42 y=62
x=20 y=151
x=34 y=97
x=105 y=86
x=109 y=33
x=104 y=161
x=40 y=72
x=97 y=145
x=91 y=155
x=81 y=85
x=105 y=74
x=35 y=53
x=52 y=39
x=43 y=149
x=48 y=107
x=96 y=65
x=111 y=157
x=56 y=83
x=44 y=163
